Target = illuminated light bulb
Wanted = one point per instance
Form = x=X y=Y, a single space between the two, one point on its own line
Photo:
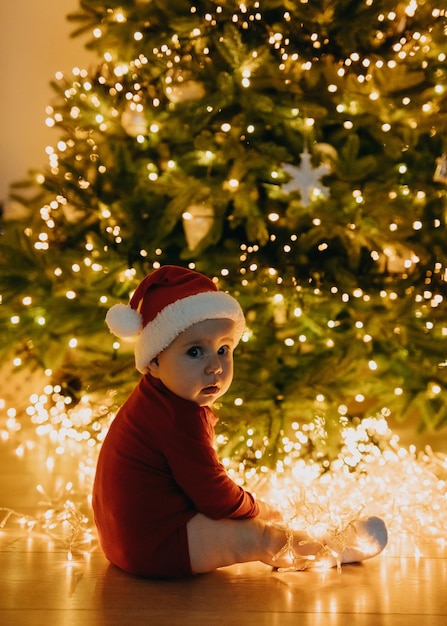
x=73 y=342
x=420 y=195
x=372 y=365
x=11 y=413
x=411 y=8
x=357 y=194
x=238 y=402
x=119 y=16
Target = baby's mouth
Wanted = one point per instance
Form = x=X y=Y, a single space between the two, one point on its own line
x=211 y=389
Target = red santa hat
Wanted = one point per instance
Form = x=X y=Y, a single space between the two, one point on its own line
x=166 y=303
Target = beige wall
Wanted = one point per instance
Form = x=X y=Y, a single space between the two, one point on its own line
x=34 y=44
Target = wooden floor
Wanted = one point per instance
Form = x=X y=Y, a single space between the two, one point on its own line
x=40 y=586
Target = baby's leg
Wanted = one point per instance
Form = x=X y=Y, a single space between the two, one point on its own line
x=217 y=543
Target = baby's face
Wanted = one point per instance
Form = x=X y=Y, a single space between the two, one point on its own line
x=198 y=364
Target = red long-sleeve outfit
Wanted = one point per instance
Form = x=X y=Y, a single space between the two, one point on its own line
x=157 y=469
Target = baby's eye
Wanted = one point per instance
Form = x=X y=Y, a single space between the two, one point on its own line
x=195 y=352
x=223 y=350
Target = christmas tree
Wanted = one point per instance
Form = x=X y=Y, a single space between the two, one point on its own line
x=292 y=150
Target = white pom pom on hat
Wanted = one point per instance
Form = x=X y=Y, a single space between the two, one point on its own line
x=166 y=303
x=123 y=321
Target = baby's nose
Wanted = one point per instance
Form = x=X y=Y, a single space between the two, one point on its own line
x=213 y=366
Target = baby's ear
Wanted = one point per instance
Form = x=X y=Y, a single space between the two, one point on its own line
x=153 y=367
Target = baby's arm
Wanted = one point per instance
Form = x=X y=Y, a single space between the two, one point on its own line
x=267 y=512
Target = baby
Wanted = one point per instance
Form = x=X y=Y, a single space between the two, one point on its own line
x=164 y=505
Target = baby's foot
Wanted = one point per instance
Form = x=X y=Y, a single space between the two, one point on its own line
x=358 y=541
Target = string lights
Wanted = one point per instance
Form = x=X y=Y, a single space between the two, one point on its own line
x=372 y=474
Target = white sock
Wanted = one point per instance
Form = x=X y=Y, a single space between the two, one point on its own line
x=360 y=540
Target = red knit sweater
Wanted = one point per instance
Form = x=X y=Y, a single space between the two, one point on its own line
x=157 y=468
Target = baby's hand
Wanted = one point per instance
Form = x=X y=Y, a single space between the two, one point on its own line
x=268 y=512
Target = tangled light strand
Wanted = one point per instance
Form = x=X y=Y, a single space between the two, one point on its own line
x=371 y=475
